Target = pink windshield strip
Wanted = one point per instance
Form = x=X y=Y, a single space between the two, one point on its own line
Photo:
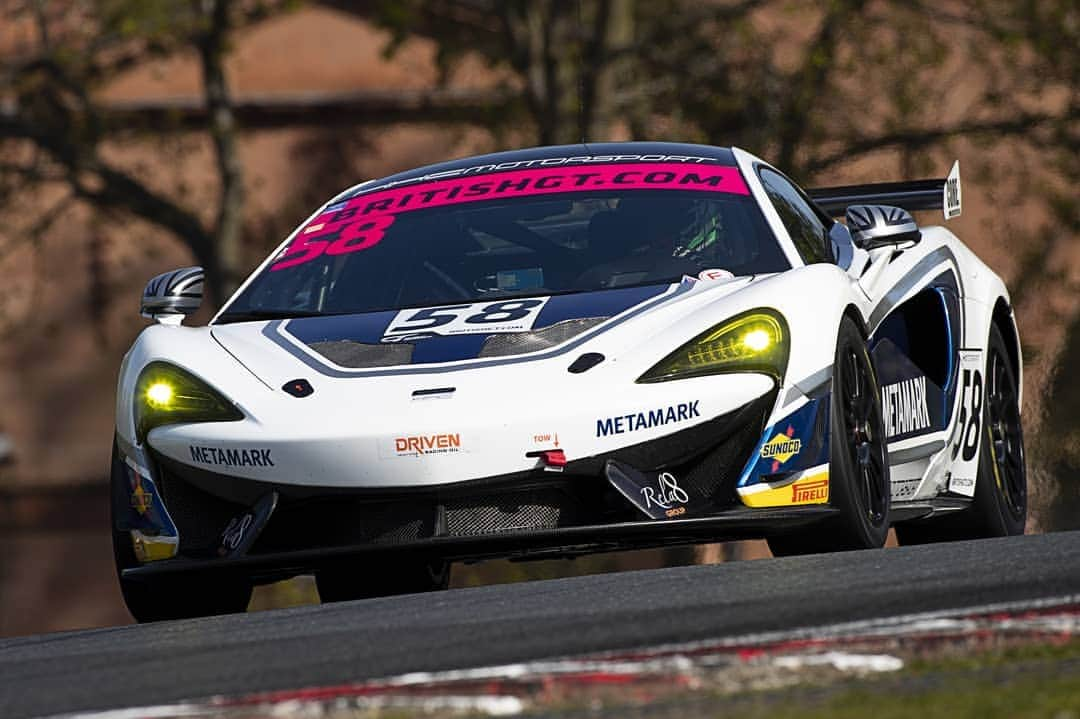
x=361 y=222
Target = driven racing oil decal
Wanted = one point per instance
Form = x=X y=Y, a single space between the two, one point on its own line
x=361 y=222
x=422 y=445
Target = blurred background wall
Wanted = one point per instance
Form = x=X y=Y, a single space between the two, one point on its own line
x=141 y=135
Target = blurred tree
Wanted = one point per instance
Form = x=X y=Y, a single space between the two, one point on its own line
x=811 y=87
x=52 y=127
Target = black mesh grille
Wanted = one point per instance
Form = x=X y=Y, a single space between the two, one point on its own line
x=347 y=353
x=515 y=343
x=521 y=511
x=200 y=517
x=714 y=477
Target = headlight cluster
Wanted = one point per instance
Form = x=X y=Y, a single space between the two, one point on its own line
x=166 y=394
x=756 y=341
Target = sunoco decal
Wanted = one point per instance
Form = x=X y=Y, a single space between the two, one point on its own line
x=781 y=448
x=658 y=417
x=361 y=222
x=903 y=407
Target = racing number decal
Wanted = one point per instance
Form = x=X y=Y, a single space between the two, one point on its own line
x=340 y=237
x=970 y=413
x=474 y=318
x=968 y=431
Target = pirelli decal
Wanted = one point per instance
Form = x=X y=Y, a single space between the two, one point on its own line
x=811 y=489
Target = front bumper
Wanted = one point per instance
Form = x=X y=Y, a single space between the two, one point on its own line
x=533 y=513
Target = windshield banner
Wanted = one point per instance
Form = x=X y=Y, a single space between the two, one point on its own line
x=361 y=222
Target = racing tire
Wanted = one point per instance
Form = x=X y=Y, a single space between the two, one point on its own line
x=999 y=507
x=153 y=599
x=381 y=580
x=859 y=484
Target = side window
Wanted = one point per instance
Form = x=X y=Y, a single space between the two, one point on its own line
x=806 y=228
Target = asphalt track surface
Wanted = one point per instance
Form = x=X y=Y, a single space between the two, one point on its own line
x=332 y=644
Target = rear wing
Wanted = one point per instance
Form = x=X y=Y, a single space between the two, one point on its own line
x=943 y=194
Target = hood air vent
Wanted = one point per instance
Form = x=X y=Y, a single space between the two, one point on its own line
x=516 y=343
x=346 y=353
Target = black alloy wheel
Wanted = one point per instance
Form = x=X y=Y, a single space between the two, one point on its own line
x=1005 y=436
x=862 y=425
x=859 y=483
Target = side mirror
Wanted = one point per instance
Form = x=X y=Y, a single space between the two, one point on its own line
x=171 y=296
x=875 y=226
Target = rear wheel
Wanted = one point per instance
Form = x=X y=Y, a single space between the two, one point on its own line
x=999 y=508
x=858 y=467
x=173 y=597
x=381 y=580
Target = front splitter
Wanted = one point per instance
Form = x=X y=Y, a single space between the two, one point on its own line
x=562 y=542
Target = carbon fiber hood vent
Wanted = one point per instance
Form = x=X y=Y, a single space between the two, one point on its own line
x=346 y=353
x=516 y=343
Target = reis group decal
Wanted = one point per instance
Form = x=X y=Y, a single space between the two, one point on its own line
x=361 y=222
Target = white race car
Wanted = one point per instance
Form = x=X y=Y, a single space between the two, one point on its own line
x=563 y=350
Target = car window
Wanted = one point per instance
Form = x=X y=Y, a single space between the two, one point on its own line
x=806 y=228
x=533 y=233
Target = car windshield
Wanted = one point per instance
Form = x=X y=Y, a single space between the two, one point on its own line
x=514 y=234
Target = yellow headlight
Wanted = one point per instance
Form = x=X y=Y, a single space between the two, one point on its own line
x=159 y=394
x=752 y=342
x=166 y=394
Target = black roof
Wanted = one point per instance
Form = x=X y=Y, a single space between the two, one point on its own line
x=519 y=159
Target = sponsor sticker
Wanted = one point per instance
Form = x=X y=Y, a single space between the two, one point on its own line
x=714 y=275
x=667 y=495
x=811 y=489
x=903 y=407
x=781 y=448
x=423 y=445
x=248 y=457
x=362 y=222
x=648 y=419
x=810 y=492
x=142 y=499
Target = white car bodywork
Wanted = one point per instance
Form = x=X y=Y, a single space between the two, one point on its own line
x=376 y=433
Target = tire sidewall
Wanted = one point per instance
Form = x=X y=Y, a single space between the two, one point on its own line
x=990 y=505
x=854 y=526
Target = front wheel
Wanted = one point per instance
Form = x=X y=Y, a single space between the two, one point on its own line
x=859 y=484
x=174 y=597
x=999 y=508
